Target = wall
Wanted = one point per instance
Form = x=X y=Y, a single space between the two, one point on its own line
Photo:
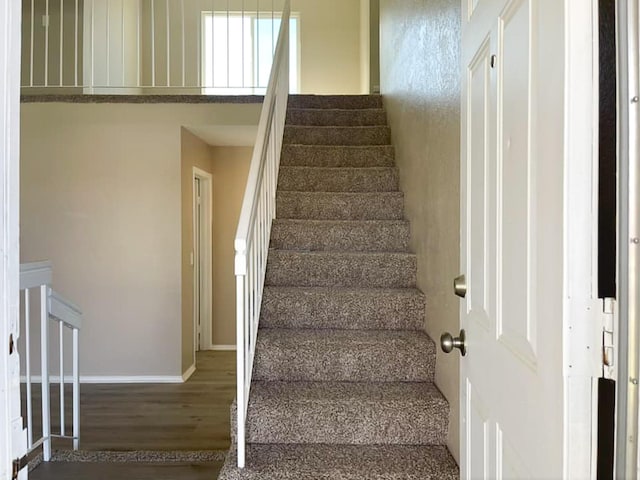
x=420 y=81
x=100 y=198
x=230 y=168
x=194 y=153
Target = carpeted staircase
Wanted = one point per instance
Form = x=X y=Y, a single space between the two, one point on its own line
x=342 y=383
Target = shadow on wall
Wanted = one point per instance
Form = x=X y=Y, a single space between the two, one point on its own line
x=229 y=167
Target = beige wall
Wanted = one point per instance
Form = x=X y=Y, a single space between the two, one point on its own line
x=230 y=168
x=420 y=76
x=330 y=46
x=101 y=199
x=194 y=153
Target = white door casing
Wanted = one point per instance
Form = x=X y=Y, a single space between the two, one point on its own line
x=513 y=234
x=202 y=254
x=13 y=438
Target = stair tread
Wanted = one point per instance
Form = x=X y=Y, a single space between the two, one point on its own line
x=327 y=393
x=344 y=355
x=340 y=205
x=345 y=412
x=341 y=253
x=370 y=291
x=342 y=462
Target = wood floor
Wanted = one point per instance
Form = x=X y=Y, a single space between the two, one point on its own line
x=187 y=417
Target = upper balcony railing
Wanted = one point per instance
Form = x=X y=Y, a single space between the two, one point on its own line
x=215 y=47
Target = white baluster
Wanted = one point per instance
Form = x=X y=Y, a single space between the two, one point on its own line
x=61 y=82
x=76 y=389
x=61 y=333
x=27 y=339
x=44 y=372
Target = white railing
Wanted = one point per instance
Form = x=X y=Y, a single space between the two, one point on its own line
x=36 y=277
x=254 y=227
x=149 y=46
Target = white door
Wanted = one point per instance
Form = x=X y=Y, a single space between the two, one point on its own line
x=13 y=438
x=512 y=239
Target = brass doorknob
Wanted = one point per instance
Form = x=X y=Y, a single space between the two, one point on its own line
x=448 y=342
x=460 y=286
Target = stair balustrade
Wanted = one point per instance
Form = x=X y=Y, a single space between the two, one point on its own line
x=35 y=281
x=140 y=47
x=254 y=226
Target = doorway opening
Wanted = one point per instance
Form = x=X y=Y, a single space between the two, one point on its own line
x=202 y=261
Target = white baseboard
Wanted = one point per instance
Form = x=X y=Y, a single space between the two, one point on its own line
x=223 y=348
x=111 y=379
x=190 y=371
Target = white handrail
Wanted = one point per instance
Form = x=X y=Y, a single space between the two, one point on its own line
x=254 y=227
x=53 y=307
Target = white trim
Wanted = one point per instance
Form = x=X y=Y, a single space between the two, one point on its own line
x=206 y=301
x=111 y=379
x=13 y=437
x=190 y=371
x=223 y=348
x=582 y=330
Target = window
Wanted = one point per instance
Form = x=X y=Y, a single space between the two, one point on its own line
x=237 y=52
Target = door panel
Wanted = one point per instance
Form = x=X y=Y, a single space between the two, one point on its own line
x=478 y=223
x=516 y=318
x=511 y=380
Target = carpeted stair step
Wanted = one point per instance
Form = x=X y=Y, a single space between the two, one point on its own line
x=342 y=462
x=301 y=135
x=336 y=117
x=341 y=269
x=335 y=101
x=351 y=413
x=341 y=235
x=344 y=355
x=322 y=179
x=346 y=308
x=337 y=156
x=340 y=206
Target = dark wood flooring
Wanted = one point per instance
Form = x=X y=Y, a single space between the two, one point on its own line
x=187 y=417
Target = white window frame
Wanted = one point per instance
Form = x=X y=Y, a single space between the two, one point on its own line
x=254 y=87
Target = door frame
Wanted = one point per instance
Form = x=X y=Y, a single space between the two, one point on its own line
x=583 y=310
x=628 y=39
x=206 y=245
x=13 y=438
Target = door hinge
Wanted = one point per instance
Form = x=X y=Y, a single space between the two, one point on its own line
x=608 y=337
x=18 y=465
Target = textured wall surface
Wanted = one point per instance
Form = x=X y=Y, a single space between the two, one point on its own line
x=420 y=81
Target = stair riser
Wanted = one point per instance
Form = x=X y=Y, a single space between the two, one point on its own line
x=337 y=270
x=310 y=179
x=349 y=237
x=395 y=361
x=337 y=135
x=337 y=156
x=342 y=462
x=339 y=207
x=347 y=423
x=318 y=117
x=335 y=101
x=282 y=308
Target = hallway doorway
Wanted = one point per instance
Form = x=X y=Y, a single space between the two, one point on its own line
x=202 y=260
